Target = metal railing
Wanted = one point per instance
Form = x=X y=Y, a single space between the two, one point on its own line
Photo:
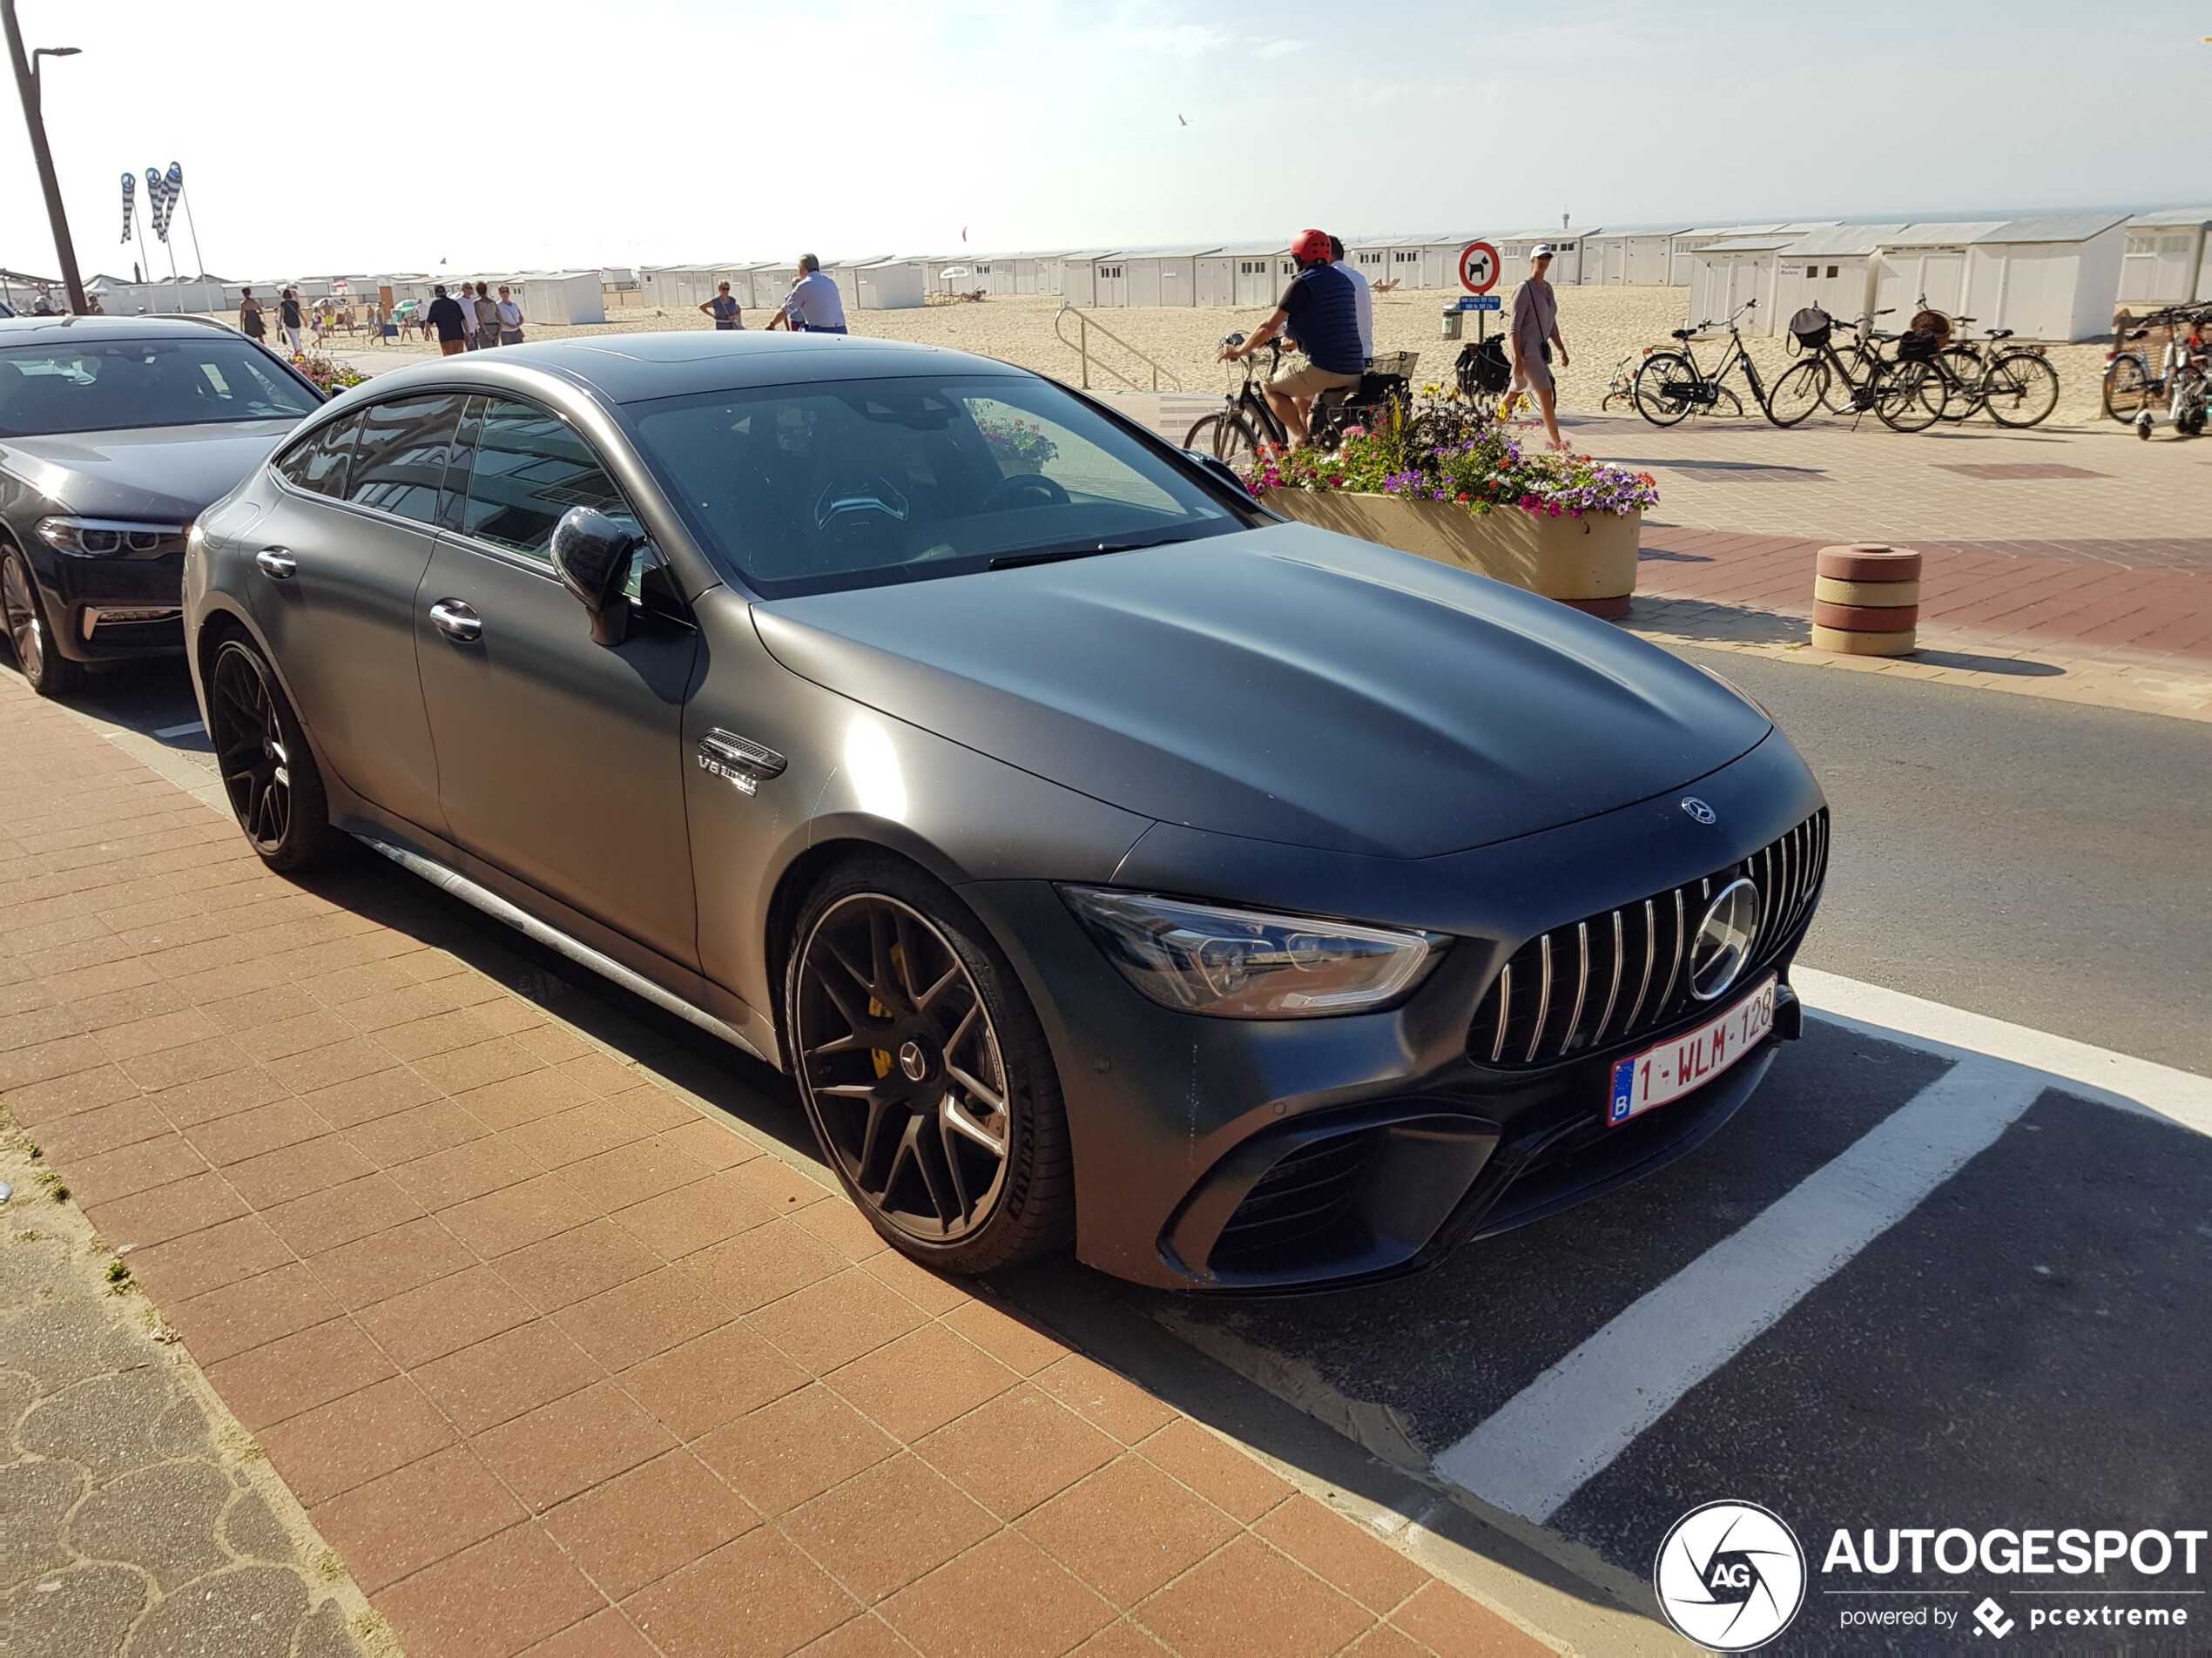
x=1080 y=346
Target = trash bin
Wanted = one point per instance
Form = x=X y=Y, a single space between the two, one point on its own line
x=1453 y=321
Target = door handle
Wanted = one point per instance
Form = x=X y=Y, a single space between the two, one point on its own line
x=456 y=621
x=277 y=564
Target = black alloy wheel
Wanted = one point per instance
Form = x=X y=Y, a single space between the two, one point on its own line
x=45 y=669
x=925 y=1073
x=266 y=768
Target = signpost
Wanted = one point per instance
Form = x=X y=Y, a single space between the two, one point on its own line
x=1478 y=275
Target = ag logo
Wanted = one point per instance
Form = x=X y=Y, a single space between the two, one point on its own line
x=1729 y=1576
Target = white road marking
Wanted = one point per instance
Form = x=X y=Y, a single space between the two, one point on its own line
x=192 y=729
x=2113 y=1079
x=1571 y=1422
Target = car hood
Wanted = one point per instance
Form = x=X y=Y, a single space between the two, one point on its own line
x=159 y=472
x=1286 y=684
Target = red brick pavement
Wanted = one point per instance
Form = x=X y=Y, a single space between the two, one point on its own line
x=2150 y=600
x=560 y=1364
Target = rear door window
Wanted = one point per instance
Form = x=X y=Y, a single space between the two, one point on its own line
x=400 y=455
x=317 y=463
x=530 y=468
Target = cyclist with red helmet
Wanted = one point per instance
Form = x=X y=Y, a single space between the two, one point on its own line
x=1319 y=315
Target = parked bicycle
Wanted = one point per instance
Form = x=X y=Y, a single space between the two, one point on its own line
x=1845 y=379
x=2015 y=385
x=1621 y=387
x=2133 y=382
x=1672 y=385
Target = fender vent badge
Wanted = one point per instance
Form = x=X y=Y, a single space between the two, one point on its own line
x=744 y=762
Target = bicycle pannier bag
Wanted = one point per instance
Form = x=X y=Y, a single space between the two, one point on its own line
x=1483 y=367
x=1917 y=345
x=1811 y=328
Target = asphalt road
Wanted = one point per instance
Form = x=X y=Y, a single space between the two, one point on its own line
x=2039 y=862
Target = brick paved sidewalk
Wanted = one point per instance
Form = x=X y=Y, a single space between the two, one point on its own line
x=558 y=1363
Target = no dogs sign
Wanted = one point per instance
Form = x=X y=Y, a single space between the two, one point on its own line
x=1478 y=267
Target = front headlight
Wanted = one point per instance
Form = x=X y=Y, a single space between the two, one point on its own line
x=110 y=537
x=1246 y=964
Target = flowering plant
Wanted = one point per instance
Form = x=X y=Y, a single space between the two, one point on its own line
x=1016 y=440
x=331 y=377
x=1476 y=467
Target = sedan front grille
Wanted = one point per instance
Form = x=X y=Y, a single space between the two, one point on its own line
x=1304 y=1193
x=1620 y=974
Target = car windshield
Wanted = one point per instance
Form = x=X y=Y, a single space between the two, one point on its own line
x=810 y=488
x=107 y=385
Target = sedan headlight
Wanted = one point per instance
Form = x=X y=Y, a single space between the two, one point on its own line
x=110 y=537
x=1246 y=964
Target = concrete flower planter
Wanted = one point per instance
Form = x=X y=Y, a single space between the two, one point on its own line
x=1589 y=563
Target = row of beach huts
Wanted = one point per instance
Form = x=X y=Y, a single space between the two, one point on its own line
x=2056 y=278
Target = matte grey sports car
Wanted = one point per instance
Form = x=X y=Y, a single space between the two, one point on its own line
x=1105 y=858
x=114 y=433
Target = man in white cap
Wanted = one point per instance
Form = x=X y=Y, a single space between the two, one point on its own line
x=1535 y=331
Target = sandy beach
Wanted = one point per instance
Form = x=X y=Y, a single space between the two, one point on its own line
x=1601 y=325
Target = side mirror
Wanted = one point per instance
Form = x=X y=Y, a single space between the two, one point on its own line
x=591 y=555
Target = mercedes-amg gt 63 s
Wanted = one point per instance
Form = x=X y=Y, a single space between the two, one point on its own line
x=1105 y=858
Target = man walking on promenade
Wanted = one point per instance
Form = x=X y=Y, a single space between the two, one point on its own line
x=724 y=309
x=510 y=319
x=451 y=322
x=813 y=304
x=487 y=314
x=1318 y=313
x=1534 y=333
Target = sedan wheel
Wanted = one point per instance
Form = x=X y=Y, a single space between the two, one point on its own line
x=926 y=1075
x=266 y=769
x=49 y=673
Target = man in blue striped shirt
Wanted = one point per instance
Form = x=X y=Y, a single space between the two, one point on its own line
x=1319 y=315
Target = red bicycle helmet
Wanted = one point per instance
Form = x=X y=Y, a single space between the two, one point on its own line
x=1310 y=246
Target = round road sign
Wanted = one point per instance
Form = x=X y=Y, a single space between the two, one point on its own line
x=1478 y=267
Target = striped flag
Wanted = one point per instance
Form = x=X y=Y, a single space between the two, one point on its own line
x=130 y=204
x=157 y=204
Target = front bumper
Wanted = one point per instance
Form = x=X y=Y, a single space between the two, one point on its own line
x=107 y=609
x=1285 y=1155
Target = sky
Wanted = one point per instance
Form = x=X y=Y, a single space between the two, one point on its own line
x=555 y=133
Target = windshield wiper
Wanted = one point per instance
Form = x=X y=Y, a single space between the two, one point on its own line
x=1053 y=556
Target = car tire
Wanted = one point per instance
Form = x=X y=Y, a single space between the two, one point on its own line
x=267 y=769
x=31 y=631
x=925 y=1073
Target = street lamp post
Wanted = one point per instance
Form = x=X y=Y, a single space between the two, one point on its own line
x=34 y=118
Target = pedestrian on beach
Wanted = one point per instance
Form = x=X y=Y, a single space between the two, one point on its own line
x=251 y=322
x=1318 y=312
x=814 y=306
x=1534 y=332
x=1361 y=297
x=510 y=319
x=724 y=309
x=44 y=305
x=290 y=320
x=451 y=322
x=487 y=316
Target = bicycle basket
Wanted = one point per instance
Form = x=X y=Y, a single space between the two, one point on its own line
x=1933 y=322
x=1400 y=363
x=1810 y=329
x=1919 y=345
x=1483 y=368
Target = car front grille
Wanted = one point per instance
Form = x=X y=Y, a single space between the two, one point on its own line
x=1624 y=972
x=1306 y=1192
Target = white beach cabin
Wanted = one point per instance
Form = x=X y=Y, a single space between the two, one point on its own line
x=1165 y=275
x=1724 y=273
x=1566 y=243
x=1081 y=274
x=2163 y=261
x=2054 y=279
x=1926 y=261
x=1628 y=258
x=1831 y=269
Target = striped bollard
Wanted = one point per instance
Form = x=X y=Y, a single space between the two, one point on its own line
x=1867 y=600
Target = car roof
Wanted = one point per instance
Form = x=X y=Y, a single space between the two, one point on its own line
x=631 y=367
x=23 y=331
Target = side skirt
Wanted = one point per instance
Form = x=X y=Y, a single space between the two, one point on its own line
x=552 y=938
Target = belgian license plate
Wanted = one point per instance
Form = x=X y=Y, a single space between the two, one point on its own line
x=1691 y=1061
